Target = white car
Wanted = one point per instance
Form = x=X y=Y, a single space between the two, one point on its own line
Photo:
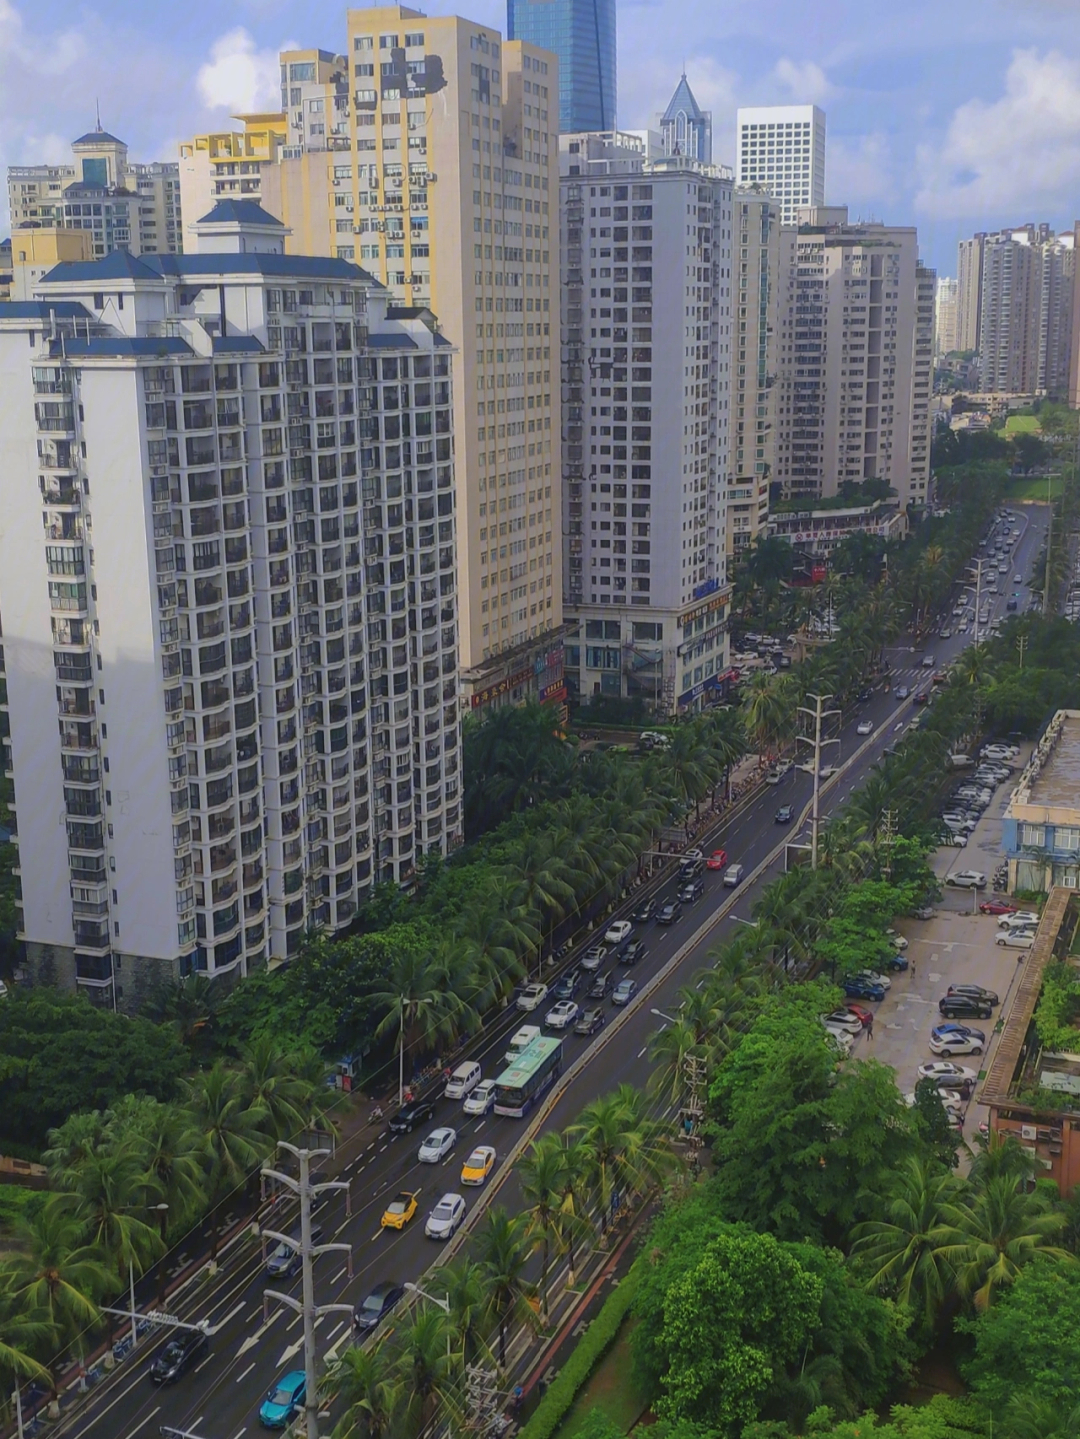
x=949 y=1098
x=778 y=771
x=845 y=1019
x=463 y=1081
x=898 y=939
x=733 y=875
x=942 y=1071
x=873 y=977
x=437 y=1145
x=444 y=1219
x=618 y=931
x=841 y=1039
x=532 y=996
x=966 y=879
x=955 y=1042
x=865 y=727
x=1019 y=919
x=955 y=838
x=482 y=1099
x=562 y=1015
x=1016 y=938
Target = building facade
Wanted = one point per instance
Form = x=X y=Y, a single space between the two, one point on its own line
x=1041 y=824
x=686 y=128
x=229 y=600
x=755 y=348
x=969 y=265
x=819 y=531
x=856 y=343
x=946 y=317
x=581 y=34
x=124 y=206
x=783 y=148
x=646 y=375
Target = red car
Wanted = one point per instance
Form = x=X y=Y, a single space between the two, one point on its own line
x=717 y=860
x=922 y=698
x=866 y=1015
x=997 y=906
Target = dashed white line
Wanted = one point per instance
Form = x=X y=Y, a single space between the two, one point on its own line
x=376 y=1235
x=338 y=1275
x=246 y=1372
x=143 y=1423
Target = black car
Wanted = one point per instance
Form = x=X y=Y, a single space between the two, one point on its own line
x=691 y=868
x=785 y=814
x=632 y=953
x=964 y=1006
x=183 y=1350
x=600 y=987
x=285 y=1260
x=974 y=991
x=371 y=1311
x=591 y=1020
x=692 y=892
x=669 y=912
x=864 y=697
x=568 y=986
x=644 y=912
x=411 y=1114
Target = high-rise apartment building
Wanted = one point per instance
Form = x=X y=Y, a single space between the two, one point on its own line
x=231 y=165
x=969 y=269
x=946 y=329
x=783 y=148
x=922 y=386
x=230 y=604
x=687 y=128
x=581 y=34
x=852 y=337
x=125 y=206
x=755 y=348
x=646 y=370
x=1025 y=311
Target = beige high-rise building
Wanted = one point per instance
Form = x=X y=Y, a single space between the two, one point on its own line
x=852 y=361
x=969 y=292
x=1025 y=311
x=124 y=206
x=945 y=316
x=755 y=342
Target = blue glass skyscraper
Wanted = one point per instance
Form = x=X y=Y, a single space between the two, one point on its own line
x=582 y=34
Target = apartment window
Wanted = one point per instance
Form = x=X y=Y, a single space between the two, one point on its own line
x=1066 y=838
x=1032 y=836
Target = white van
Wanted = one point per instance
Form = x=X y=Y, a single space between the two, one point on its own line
x=961 y=761
x=463 y=1081
x=521 y=1041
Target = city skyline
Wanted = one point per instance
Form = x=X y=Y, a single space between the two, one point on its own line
x=915 y=113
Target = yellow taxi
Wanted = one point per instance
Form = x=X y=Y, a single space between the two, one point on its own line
x=399 y=1211
x=478 y=1165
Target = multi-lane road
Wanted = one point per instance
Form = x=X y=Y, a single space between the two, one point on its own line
x=220 y=1398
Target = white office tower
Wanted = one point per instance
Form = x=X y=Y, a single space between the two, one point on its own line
x=228 y=587
x=783 y=148
x=646 y=253
x=855 y=345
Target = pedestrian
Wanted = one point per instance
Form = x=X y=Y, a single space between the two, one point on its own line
x=913 y=971
x=870 y=1027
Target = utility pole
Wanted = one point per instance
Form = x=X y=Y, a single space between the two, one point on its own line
x=977 y=567
x=1049 y=541
x=888 y=834
x=694 y=1075
x=481 y=1397
x=305 y=1192
x=817 y=714
x=1021 y=645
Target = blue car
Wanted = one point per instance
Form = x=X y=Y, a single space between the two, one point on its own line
x=284 y=1401
x=862 y=989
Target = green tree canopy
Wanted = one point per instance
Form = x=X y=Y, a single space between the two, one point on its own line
x=1029 y=1340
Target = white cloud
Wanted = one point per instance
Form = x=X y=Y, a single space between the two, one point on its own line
x=807 y=82
x=239 y=76
x=1010 y=155
x=859 y=170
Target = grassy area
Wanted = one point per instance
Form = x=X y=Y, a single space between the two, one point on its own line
x=1032 y=487
x=610 y=1388
x=1023 y=425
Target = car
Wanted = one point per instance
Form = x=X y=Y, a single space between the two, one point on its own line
x=841 y=1038
x=399 y=1211
x=445 y=1218
x=956 y=1041
x=284 y=1401
x=482 y=1099
x=938 y=677
x=785 y=814
x=633 y=952
x=1018 y=579
x=778 y=771
x=921 y=697
x=898 y=940
x=463 y=1081
x=669 y=912
x=437 y=1145
x=976 y=991
x=945 y=634
x=1018 y=919
x=567 y=986
x=896 y=962
x=415 y=1112
x=925 y=911
x=371 y=1312
x=561 y=1015
x=717 y=860
x=1016 y=938
x=591 y=1020
x=864 y=696
x=644 y=912
x=843 y=1019
x=624 y=991
x=733 y=875
x=618 y=932
x=928 y=662
x=600 y=986
x=966 y=879
x=692 y=892
x=285 y=1260
x=902 y=692
x=953 y=837
x=479 y=1165
x=183 y=1352
x=595 y=955
x=827 y=771
x=856 y=987
x=532 y=996
x=865 y=727
x=964 y=1006
x=942 y=1071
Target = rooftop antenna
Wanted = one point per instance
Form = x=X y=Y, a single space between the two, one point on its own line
x=97 y=107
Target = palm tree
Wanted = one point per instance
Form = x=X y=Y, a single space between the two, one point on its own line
x=466 y=1293
x=691 y=764
x=425 y=1370
x=23 y=1327
x=542 y=1180
x=991 y=1236
x=271 y=1085
x=104 y=1194
x=543 y=889
x=423 y=1003
x=904 y=1253
x=669 y=1050
x=494 y=935
x=503 y=1254
x=232 y=1131
x=360 y=1380
x=1029 y=1417
x=622 y=1151
x=80 y=1135
x=768 y=710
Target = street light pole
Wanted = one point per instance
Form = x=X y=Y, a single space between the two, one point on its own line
x=818 y=713
x=401 y=1045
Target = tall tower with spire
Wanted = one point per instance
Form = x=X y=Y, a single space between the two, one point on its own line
x=686 y=127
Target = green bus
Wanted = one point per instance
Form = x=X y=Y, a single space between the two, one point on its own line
x=520 y=1084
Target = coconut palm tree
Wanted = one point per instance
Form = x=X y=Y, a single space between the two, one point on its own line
x=493 y=936
x=691 y=765
x=669 y=1050
x=542 y=1181
x=502 y=1252
x=233 y=1131
x=423 y=1003
x=80 y=1135
x=994 y=1233
x=1029 y=1417
x=768 y=710
x=622 y=1151
x=105 y=1194
x=543 y=888
x=465 y=1283
x=272 y=1086
x=23 y=1328
x=425 y=1371
x=362 y=1382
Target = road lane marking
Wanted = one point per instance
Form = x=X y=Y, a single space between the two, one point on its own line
x=376 y=1235
x=246 y=1372
x=338 y=1275
x=143 y=1423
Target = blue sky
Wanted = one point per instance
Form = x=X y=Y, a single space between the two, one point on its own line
x=954 y=115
